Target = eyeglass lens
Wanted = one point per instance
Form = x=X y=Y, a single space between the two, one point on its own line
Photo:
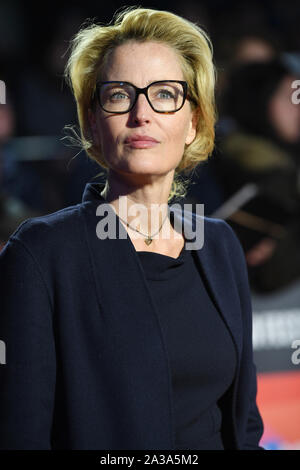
x=119 y=97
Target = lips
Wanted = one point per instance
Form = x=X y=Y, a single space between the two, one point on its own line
x=140 y=138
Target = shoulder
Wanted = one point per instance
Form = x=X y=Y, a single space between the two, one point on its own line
x=224 y=248
x=219 y=234
x=48 y=230
x=44 y=252
x=225 y=231
x=47 y=225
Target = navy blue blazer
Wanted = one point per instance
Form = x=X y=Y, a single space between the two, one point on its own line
x=86 y=362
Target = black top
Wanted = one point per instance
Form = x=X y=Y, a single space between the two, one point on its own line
x=201 y=350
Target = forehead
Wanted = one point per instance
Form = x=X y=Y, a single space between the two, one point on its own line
x=147 y=61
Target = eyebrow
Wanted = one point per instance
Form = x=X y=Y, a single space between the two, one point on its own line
x=147 y=83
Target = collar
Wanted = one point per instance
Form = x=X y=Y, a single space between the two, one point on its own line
x=187 y=221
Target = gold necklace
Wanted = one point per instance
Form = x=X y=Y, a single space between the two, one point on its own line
x=148 y=239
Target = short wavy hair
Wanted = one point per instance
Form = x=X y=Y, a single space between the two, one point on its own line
x=91 y=46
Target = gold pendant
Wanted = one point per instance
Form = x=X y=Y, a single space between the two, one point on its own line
x=148 y=241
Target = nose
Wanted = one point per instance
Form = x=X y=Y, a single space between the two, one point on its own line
x=141 y=111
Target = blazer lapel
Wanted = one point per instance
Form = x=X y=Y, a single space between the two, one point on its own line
x=223 y=295
x=223 y=292
x=218 y=282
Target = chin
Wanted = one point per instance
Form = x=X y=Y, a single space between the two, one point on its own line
x=142 y=169
x=144 y=165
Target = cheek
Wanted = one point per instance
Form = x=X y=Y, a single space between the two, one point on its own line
x=107 y=133
x=178 y=131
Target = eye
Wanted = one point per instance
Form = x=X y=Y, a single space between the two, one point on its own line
x=165 y=94
x=118 y=95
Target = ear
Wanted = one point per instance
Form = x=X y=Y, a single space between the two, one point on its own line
x=192 y=127
x=93 y=126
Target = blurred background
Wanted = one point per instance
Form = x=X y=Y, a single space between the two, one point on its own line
x=252 y=180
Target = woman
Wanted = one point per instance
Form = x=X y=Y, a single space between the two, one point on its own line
x=263 y=148
x=133 y=340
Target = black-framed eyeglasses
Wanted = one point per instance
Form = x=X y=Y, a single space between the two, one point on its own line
x=164 y=96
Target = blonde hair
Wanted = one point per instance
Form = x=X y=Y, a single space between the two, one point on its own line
x=91 y=46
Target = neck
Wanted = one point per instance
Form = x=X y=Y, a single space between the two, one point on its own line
x=144 y=205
